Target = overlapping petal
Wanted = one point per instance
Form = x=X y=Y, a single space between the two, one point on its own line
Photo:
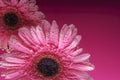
x=42 y=42
x=15 y=14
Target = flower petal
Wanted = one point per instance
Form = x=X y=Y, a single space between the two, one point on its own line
x=54 y=33
x=81 y=75
x=41 y=35
x=26 y=36
x=13 y=75
x=74 y=43
x=14 y=60
x=62 y=33
x=77 y=52
x=46 y=28
x=81 y=58
x=4 y=41
x=34 y=35
x=67 y=35
x=16 y=45
x=2 y=3
x=14 y=2
x=21 y=2
x=5 y=64
x=82 y=67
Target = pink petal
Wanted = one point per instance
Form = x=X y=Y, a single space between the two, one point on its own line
x=77 y=52
x=4 y=64
x=81 y=75
x=2 y=3
x=14 y=2
x=82 y=67
x=62 y=32
x=38 y=15
x=4 y=41
x=74 y=43
x=81 y=58
x=21 y=2
x=26 y=36
x=40 y=34
x=14 y=60
x=46 y=28
x=6 y=2
x=54 y=33
x=67 y=34
x=13 y=75
x=16 y=45
x=34 y=35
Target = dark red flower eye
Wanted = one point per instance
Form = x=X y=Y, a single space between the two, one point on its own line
x=11 y=19
x=48 y=66
x=15 y=14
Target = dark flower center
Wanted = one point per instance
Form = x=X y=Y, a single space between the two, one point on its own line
x=11 y=19
x=48 y=67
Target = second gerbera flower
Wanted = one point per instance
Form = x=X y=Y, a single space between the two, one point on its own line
x=15 y=14
x=45 y=53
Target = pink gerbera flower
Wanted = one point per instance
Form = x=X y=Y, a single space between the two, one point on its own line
x=15 y=14
x=44 y=53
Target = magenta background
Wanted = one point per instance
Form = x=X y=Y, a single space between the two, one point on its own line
x=99 y=24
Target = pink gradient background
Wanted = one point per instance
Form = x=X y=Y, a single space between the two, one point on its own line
x=99 y=24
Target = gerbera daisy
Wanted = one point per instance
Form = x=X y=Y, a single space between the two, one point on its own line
x=15 y=14
x=44 y=53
